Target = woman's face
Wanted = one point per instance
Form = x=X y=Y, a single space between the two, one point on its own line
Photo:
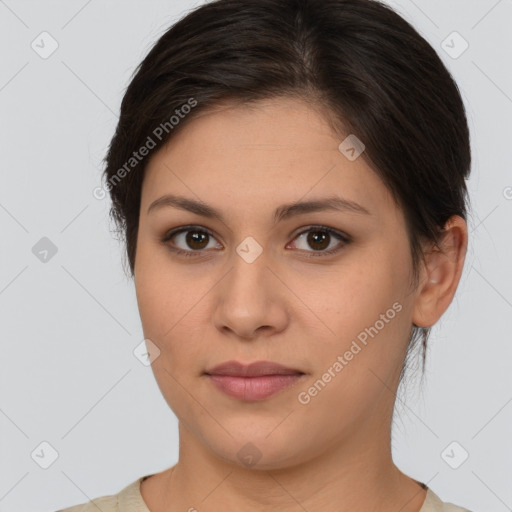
x=259 y=287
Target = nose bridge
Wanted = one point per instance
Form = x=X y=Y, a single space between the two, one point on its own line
x=247 y=299
x=248 y=277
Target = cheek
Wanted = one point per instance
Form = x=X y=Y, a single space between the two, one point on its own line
x=158 y=290
x=365 y=309
x=170 y=307
x=151 y=299
x=367 y=301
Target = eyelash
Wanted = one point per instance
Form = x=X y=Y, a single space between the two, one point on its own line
x=345 y=239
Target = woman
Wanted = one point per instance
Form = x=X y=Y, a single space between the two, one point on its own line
x=289 y=179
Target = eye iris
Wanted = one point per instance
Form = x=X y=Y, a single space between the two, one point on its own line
x=194 y=237
x=315 y=237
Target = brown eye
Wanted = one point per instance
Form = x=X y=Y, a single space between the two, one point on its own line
x=189 y=240
x=320 y=239
x=196 y=239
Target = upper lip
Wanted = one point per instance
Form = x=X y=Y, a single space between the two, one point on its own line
x=258 y=368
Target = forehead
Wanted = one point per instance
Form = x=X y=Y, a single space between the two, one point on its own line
x=276 y=151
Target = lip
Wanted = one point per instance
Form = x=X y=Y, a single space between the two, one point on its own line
x=252 y=382
x=256 y=369
x=253 y=388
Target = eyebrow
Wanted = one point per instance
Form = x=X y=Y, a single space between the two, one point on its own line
x=281 y=213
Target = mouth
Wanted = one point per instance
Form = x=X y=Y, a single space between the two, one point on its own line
x=256 y=369
x=253 y=382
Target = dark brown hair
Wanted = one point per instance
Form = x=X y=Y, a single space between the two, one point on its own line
x=367 y=69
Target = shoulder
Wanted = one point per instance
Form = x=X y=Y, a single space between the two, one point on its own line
x=433 y=503
x=450 y=507
x=103 y=503
x=128 y=499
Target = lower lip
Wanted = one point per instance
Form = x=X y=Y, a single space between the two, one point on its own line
x=253 y=388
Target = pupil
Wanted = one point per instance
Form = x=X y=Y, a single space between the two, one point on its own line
x=314 y=239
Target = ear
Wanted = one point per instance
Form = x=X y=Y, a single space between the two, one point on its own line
x=441 y=273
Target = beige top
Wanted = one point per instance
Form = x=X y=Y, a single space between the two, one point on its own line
x=130 y=500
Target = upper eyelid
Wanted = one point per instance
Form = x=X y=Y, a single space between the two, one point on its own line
x=321 y=227
x=177 y=231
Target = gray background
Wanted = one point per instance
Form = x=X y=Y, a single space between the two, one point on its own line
x=69 y=325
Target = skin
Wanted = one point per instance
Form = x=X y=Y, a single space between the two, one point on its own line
x=333 y=453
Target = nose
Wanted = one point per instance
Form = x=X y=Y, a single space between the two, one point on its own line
x=250 y=301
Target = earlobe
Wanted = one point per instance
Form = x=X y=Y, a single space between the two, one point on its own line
x=441 y=273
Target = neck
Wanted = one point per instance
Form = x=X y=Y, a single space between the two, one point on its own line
x=355 y=473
